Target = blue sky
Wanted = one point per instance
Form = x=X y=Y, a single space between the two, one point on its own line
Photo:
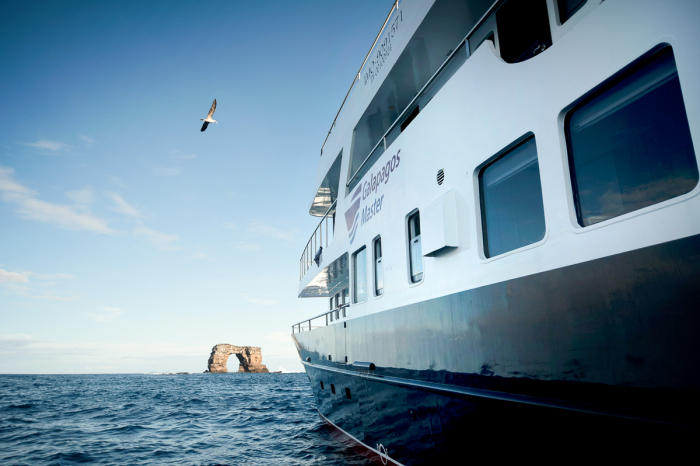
x=129 y=240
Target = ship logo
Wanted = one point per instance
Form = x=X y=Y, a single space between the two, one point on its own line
x=352 y=215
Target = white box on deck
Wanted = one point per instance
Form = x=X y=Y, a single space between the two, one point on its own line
x=439 y=224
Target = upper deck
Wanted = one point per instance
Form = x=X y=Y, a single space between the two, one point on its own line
x=473 y=106
x=415 y=41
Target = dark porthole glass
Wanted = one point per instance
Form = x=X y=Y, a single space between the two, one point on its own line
x=629 y=144
x=567 y=8
x=511 y=200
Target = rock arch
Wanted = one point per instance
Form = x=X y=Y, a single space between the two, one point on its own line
x=249 y=358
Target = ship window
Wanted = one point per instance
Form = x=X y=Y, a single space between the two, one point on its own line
x=512 y=213
x=332 y=302
x=359 y=265
x=347 y=394
x=345 y=300
x=322 y=385
x=337 y=300
x=523 y=29
x=414 y=248
x=567 y=8
x=333 y=389
x=629 y=143
x=378 y=268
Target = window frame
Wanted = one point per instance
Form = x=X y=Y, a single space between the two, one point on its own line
x=409 y=265
x=353 y=261
x=478 y=206
x=377 y=239
x=588 y=95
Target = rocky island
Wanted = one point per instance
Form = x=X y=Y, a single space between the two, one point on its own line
x=249 y=358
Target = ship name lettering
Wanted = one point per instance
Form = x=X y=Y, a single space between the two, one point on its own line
x=371 y=210
x=380 y=177
x=383 y=50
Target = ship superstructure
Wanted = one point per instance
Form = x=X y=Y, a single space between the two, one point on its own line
x=509 y=224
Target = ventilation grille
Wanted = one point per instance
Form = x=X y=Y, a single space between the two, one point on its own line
x=440 y=176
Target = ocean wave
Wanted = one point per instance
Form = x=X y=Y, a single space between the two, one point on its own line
x=256 y=419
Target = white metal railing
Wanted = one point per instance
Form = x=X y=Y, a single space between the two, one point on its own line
x=330 y=316
x=317 y=240
x=358 y=75
x=410 y=107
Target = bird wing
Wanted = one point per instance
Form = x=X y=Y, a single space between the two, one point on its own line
x=204 y=126
x=212 y=109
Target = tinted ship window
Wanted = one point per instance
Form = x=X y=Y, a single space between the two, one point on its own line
x=378 y=268
x=511 y=200
x=414 y=248
x=359 y=265
x=523 y=29
x=567 y=8
x=629 y=143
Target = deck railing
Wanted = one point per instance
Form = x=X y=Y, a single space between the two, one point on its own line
x=321 y=237
x=462 y=47
x=330 y=316
x=358 y=75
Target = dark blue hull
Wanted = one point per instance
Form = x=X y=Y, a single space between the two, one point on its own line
x=592 y=350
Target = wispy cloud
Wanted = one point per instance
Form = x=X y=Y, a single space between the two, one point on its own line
x=11 y=342
x=201 y=255
x=243 y=246
x=167 y=171
x=260 y=301
x=53 y=276
x=262 y=228
x=14 y=288
x=13 y=277
x=115 y=180
x=82 y=197
x=185 y=157
x=87 y=140
x=50 y=297
x=106 y=314
x=161 y=240
x=123 y=207
x=29 y=207
x=48 y=146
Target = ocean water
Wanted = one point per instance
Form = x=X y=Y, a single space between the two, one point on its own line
x=197 y=419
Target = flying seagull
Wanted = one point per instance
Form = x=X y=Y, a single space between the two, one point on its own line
x=209 y=118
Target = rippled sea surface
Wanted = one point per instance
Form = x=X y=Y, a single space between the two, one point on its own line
x=198 y=419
